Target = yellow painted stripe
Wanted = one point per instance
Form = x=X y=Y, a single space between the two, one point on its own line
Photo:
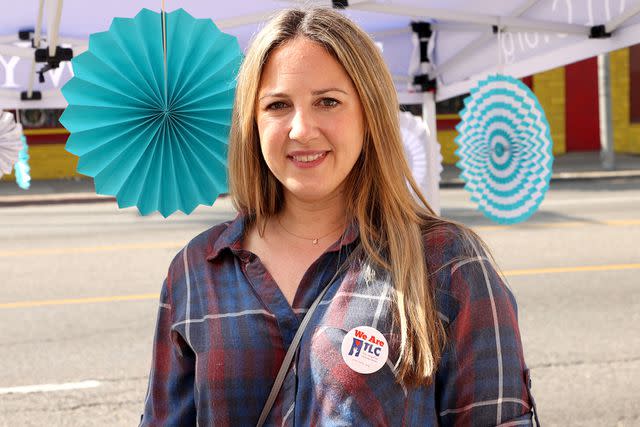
x=68 y=301
x=49 y=131
x=90 y=249
x=534 y=271
x=623 y=222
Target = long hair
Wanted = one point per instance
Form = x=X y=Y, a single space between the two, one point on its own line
x=391 y=221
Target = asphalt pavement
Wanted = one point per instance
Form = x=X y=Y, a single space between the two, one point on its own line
x=79 y=285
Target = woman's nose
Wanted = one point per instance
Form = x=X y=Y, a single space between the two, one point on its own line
x=303 y=127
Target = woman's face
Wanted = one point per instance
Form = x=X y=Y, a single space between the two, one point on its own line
x=309 y=119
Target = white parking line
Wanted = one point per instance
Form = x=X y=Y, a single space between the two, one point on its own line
x=43 y=388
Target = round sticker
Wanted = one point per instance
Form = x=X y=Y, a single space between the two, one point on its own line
x=364 y=349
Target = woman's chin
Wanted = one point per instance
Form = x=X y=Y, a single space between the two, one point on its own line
x=309 y=195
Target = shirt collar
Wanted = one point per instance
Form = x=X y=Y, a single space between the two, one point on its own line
x=231 y=237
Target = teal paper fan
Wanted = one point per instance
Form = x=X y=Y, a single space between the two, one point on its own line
x=22 y=168
x=154 y=136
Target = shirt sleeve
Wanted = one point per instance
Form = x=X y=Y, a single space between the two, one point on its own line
x=170 y=395
x=482 y=378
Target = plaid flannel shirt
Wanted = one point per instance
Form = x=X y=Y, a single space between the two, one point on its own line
x=224 y=327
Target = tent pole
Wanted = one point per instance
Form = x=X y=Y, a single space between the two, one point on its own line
x=52 y=33
x=429 y=118
x=38 y=32
x=36 y=44
x=607 y=155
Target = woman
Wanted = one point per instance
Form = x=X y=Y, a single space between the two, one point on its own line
x=415 y=328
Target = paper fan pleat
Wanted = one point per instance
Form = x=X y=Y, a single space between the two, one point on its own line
x=416 y=142
x=80 y=118
x=83 y=142
x=143 y=50
x=217 y=152
x=220 y=81
x=224 y=70
x=217 y=121
x=101 y=77
x=11 y=142
x=185 y=62
x=131 y=192
x=168 y=176
x=110 y=52
x=152 y=182
x=206 y=128
x=124 y=35
x=190 y=166
x=159 y=146
x=97 y=96
x=22 y=168
x=505 y=149
x=150 y=23
x=119 y=162
x=212 y=103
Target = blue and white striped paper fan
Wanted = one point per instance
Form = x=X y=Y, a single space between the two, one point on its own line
x=505 y=149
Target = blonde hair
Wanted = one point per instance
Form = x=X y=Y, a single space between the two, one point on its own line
x=391 y=221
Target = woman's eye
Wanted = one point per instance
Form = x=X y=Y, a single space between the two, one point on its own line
x=276 y=105
x=329 y=102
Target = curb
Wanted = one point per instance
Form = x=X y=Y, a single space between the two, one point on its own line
x=53 y=199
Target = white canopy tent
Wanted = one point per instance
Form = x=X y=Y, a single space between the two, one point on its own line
x=535 y=35
x=464 y=40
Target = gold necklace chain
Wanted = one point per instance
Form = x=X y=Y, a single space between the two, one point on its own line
x=314 y=240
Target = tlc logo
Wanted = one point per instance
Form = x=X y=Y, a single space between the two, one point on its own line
x=360 y=342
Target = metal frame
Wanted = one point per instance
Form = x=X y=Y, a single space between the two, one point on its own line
x=453 y=20
x=438 y=26
x=51 y=98
x=11 y=50
x=508 y=23
x=480 y=41
x=255 y=18
x=616 y=22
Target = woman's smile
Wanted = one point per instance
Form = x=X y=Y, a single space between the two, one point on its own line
x=307 y=159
